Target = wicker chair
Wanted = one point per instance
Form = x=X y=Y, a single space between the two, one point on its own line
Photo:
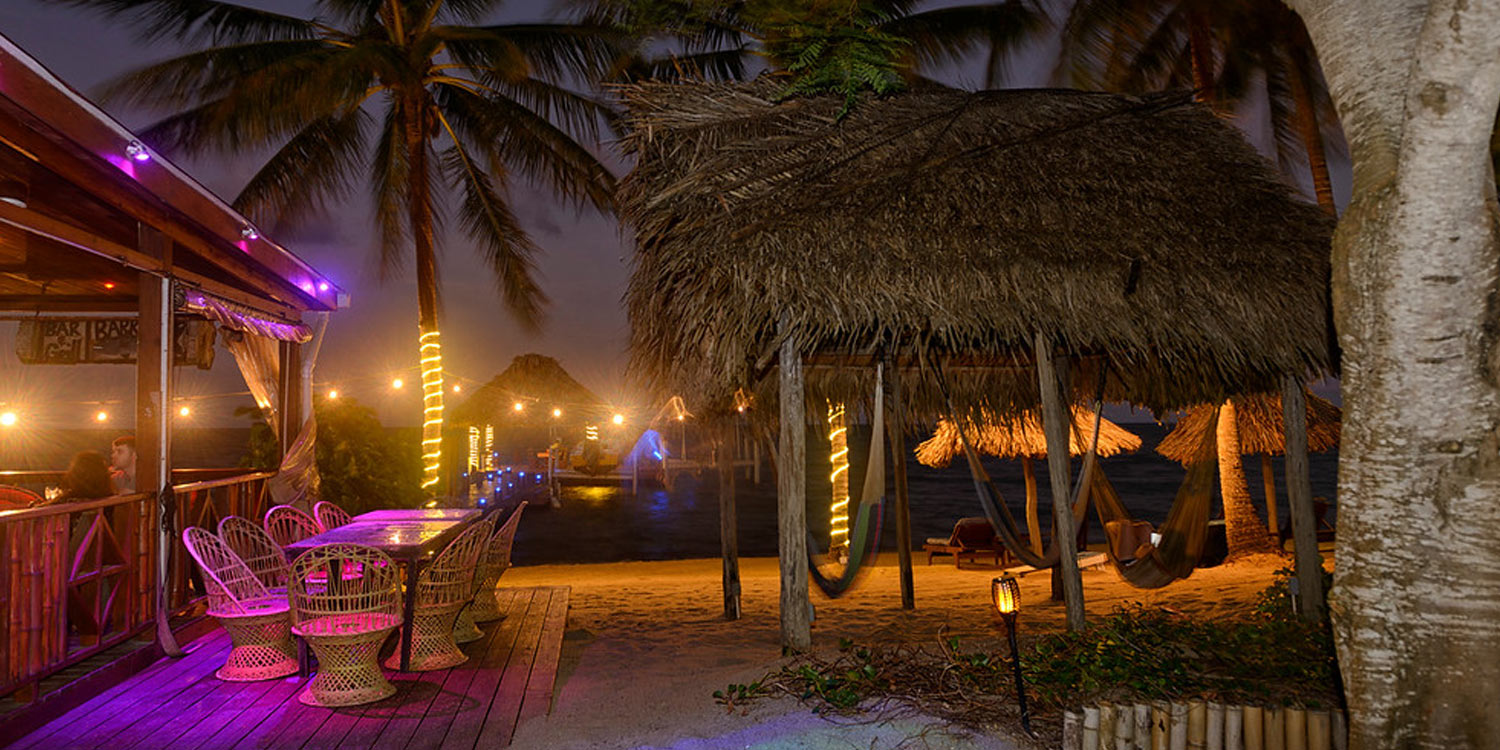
x=258 y=622
x=465 y=629
x=286 y=525
x=486 y=608
x=444 y=588
x=260 y=552
x=346 y=621
x=329 y=516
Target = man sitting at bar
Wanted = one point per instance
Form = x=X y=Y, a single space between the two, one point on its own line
x=122 y=463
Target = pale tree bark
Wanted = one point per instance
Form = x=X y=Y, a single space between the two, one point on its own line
x=1244 y=532
x=1416 y=599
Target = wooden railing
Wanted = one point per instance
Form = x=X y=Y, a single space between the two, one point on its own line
x=79 y=578
x=38 y=480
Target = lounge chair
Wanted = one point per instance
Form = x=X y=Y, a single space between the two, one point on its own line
x=486 y=607
x=443 y=588
x=345 y=623
x=329 y=516
x=972 y=538
x=286 y=525
x=260 y=552
x=259 y=623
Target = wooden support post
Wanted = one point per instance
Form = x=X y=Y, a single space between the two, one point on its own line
x=1033 y=520
x=896 y=429
x=1056 y=423
x=153 y=423
x=1268 y=478
x=755 y=465
x=289 y=387
x=1299 y=499
x=791 y=504
x=729 y=535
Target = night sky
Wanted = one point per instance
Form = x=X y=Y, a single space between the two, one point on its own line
x=583 y=263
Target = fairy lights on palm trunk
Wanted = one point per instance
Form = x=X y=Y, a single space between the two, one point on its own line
x=432 y=408
x=838 y=524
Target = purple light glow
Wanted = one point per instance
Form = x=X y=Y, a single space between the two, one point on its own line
x=322 y=286
x=137 y=151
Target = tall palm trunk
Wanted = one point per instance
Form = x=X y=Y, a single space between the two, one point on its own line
x=1033 y=521
x=1312 y=136
x=430 y=351
x=1243 y=528
x=1200 y=46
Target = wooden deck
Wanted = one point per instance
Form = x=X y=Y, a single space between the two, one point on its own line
x=178 y=703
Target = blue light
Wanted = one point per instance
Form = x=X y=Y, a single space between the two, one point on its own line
x=522 y=473
x=657 y=454
x=512 y=485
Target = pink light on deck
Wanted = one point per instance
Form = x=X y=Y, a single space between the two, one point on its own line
x=322 y=286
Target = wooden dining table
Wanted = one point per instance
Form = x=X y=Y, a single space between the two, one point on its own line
x=409 y=536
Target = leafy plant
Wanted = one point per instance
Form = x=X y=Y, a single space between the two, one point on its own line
x=835 y=47
x=738 y=695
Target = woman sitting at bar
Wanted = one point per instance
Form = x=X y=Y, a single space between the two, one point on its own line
x=87 y=478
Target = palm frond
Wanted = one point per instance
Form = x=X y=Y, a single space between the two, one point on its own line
x=388 y=185
x=947 y=35
x=318 y=165
x=200 y=21
x=186 y=79
x=715 y=65
x=581 y=51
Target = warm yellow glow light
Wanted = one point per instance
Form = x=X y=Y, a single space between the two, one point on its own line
x=1006 y=595
x=397 y=383
x=618 y=419
x=519 y=406
x=332 y=395
x=838 y=457
x=489 y=448
x=556 y=413
x=431 y=361
x=457 y=388
x=102 y=416
x=8 y=419
x=473 y=448
x=184 y=411
x=680 y=417
x=591 y=432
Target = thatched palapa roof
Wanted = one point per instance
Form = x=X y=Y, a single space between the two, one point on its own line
x=956 y=223
x=1022 y=437
x=541 y=384
x=1261 y=427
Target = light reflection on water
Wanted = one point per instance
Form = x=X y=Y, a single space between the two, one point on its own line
x=606 y=524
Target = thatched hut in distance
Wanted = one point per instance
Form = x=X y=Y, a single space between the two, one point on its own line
x=1262 y=431
x=991 y=232
x=1022 y=437
x=552 y=405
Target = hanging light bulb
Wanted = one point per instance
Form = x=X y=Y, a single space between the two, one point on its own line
x=518 y=406
x=8 y=419
x=556 y=413
x=249 y=233
x=618 y=419
x=333 y=394
x=102 y=416
x=398 y=383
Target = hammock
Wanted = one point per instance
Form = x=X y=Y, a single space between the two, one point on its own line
x=864 y=539
x=1145 y=564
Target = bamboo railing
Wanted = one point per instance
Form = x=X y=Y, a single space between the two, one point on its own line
x=78 y=578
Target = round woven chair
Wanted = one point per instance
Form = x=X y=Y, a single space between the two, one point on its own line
x=444 y=588
x=486 y=608
x=258 y=622
x=286 y=525
x=345 y=620
x=465 y=629
x=329 y=516
x=260 y=552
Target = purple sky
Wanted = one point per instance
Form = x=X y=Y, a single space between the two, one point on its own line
x=584 y=260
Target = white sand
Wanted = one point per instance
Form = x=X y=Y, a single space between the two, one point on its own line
x=647 y=645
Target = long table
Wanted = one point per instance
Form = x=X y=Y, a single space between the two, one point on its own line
x=408 y=536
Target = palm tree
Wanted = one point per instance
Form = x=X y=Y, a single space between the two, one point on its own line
x=724 y=41
x=418 y=98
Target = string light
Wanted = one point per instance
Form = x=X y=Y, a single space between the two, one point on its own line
x=184 y=411
x=591 y=432
x=556 y=413
x=102 y=416
x=473 y=448
x=519 y=406
x=838 y=440
x=9 y=419
x=489 y=447
x=398 y=383
x=457 y=388
x=333 y=394
x=431 y=361
x=618 y=419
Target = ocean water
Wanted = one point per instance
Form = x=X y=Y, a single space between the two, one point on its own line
x=608 y=524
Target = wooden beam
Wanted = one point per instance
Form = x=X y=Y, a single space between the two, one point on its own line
x=896 y=430
x=1268 y=480
x=1299 y=500
x=791 y=504
x=153 y=431
x=729 y=534
x=1056 y=424
x=69 y=303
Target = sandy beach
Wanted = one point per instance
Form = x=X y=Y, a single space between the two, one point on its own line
x=647 y=645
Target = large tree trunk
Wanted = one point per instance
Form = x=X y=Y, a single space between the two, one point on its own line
x=1200 y=47
x=1243 y=529
x=1312 y=135
x=1033 y=519
x=430 y=347
x=1416 y=599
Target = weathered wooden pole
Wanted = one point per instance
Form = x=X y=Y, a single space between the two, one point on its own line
x=1268 y=478
x=1055 y=424
x=729 y=536
x=153 y=417
x=791 y=503
x=1033 y=520
x=895 y=429
x=1299 y=499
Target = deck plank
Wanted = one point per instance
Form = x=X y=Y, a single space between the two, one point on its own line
x=500 y=723
x=463 y=734
x=109 y=712
x=543 y=677
x=179 y=704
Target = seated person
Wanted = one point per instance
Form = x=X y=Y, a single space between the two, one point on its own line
x=122 y=464
x=87 y=478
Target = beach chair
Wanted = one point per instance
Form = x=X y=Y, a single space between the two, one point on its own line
x=345 y=622
x=286 y=525
x=444 y=588
x=258 y=550
x=258 y=622
x=486 y=608
x=465 y=629
x=329 y=516
x=972 y=538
